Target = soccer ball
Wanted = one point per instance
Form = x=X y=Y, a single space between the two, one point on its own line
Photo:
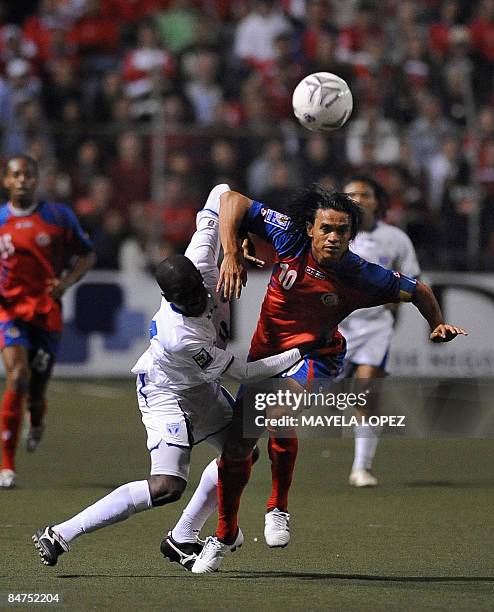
x=322 y=102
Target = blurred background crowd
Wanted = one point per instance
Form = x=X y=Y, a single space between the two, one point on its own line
x=136 y=108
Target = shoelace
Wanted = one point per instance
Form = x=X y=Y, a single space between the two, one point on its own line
x=211 y=545
x=280 y=519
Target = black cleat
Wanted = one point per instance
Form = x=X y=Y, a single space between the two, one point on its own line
x=50 y=545
x=184 y=553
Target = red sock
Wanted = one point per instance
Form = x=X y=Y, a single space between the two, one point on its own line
x=283 y=453
x=11 y=421
x=232 y=478
x=37 y=410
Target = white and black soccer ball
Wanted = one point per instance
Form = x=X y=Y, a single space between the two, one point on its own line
x=322 y=102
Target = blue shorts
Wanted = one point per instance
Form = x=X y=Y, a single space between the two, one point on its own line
x=38 y=342
x=311 y=368
x=308 y=369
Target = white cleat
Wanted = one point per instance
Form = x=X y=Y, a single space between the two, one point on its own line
x=277 y=528
x=7 y=479
x=362 y=478
x=212 y=554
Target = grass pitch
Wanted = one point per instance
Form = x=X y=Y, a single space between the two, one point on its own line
x=421 y=541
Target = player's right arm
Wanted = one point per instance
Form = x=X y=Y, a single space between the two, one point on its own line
x=239 y=214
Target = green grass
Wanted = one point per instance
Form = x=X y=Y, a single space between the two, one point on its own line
x=421 y=541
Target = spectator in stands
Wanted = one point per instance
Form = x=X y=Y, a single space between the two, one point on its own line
x=256 y=32
x=109 y=91
x=60 y=85
x=145 y=66
x=319 y=158
x=371 y=126
x=89 y=163
x=178 y=213
x=90 y=208
x=428 y=130
x=203 y=89
x=107 y=238
x=177 y=25
x=129 y=173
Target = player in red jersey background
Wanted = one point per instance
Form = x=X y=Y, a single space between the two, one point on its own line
x=43 y=251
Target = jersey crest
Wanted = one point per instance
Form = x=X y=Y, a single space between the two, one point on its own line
x=202 y=358
x=277 y=219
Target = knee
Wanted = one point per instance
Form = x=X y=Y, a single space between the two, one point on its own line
x=18 y=378
x=165 y=489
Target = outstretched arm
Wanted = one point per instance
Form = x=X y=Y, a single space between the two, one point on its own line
x=233 y=274
x=425 y=300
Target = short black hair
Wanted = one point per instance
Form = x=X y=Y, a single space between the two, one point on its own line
x=27 y=158
x=381 y=194
x=304 y=206
x=173 y=273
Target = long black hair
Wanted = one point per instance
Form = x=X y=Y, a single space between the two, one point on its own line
x=304 y=206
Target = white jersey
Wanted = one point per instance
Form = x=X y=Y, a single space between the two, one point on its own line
x=185 y=352
x=391 y=248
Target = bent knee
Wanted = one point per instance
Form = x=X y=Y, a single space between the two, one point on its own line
x=18 y=378
x=165 y=489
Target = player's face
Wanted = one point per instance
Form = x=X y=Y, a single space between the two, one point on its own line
x=364 y=195
x=330 y=235
x=20 y=181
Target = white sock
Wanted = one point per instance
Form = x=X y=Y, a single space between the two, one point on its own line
x=202 y=504
x=116 y=506
x=366 y=439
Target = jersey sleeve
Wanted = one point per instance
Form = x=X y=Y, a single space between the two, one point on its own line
x=276 y=228
x=204 y=247
x=382 y=286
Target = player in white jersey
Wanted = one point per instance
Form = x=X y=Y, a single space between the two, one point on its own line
x=368 y=332
x=178 y=388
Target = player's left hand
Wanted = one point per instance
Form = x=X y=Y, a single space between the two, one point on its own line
x=249 y=252
x=445 y=333
x=56 y=287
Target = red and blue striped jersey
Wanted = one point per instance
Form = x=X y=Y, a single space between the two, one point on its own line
x=303 y=298
x=35 y=248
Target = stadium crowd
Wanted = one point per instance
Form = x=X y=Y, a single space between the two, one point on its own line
x=85 y=85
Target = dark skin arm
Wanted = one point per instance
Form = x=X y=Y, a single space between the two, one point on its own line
x=426 y=303
x=56 y=287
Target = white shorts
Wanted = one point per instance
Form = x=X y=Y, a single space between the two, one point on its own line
x=176 y=421
x=370 y=348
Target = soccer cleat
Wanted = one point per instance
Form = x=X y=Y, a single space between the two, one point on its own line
x=213 y=552
x=362 y=478
x=277 y=528
x=34 y=437
x=7 y=479
x=50 y=545
x=184 y=553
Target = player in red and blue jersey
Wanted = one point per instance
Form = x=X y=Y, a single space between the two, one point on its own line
x=43 y=251
x=316 y=282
